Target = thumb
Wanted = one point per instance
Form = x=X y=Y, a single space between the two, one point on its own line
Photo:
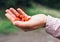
x=20 y=24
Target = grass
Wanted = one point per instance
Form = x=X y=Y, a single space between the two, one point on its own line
x=39 y=9
x=7 y=27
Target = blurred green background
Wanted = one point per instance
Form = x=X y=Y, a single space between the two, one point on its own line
x=31 y=7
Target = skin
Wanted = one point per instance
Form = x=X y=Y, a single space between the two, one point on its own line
x=35 y=21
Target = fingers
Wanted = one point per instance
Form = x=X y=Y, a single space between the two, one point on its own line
x=8 y=11
x=20 y=23
x=21 y=12
x=10 y=17
x=14 y=12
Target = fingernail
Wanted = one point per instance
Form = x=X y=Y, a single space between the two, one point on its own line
x=6 y=14
x=6 y=10
x=18 y=8
x=11 y=8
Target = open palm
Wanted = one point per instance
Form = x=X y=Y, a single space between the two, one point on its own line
x=34 y=22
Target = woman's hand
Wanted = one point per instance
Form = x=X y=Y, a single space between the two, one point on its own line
x=33 y=23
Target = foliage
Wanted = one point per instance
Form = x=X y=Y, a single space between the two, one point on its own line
x=50 y=3
x=27 y=3
x=7 y=27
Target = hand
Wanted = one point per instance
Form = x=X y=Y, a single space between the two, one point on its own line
x=34 y=22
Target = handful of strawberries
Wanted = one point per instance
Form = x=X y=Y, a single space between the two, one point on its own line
x=19 y=14
x=21 y=18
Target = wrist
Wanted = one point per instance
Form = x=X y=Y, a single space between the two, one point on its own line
x=44 y=20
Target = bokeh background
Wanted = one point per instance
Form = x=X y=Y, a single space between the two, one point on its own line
x=8 y=31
